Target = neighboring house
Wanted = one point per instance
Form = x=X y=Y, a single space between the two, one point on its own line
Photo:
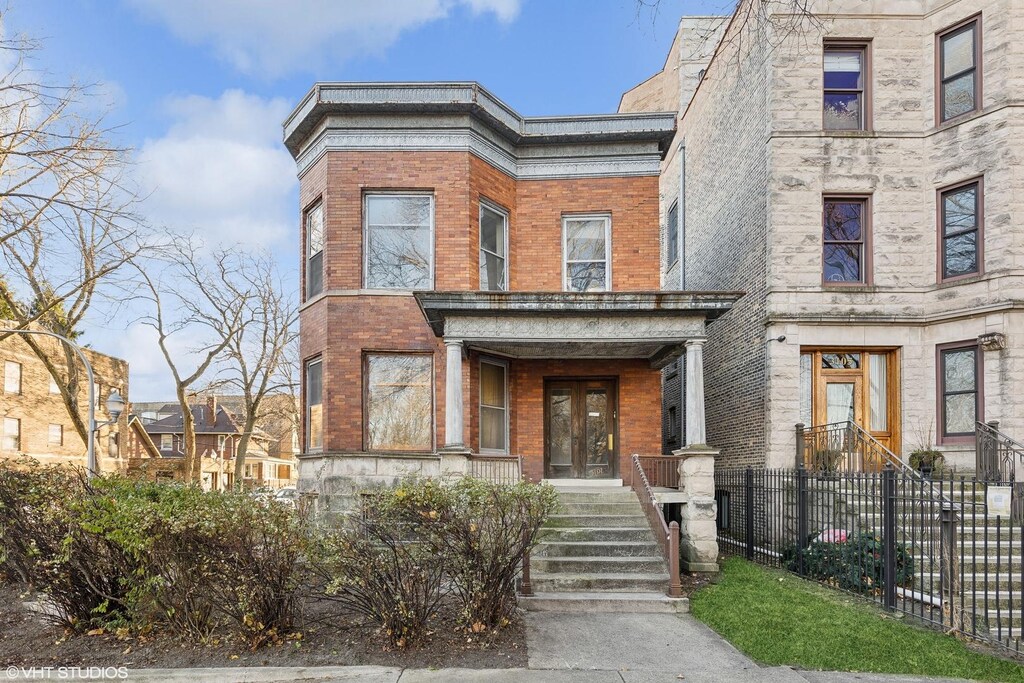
x=34 y=420
x=476 y=282
x=860 y=182
x=217 y=435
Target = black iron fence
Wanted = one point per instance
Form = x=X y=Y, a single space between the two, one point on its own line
x=500 y=469
x=943 y=551
x=997 y=454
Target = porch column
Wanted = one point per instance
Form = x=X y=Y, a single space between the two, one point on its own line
x=453 y=432
x=695 y=432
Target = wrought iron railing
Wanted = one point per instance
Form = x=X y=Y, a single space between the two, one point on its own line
x=500 y=469
x=667 y=534
x=997 y=454
x=662 y=471
x=842 y=447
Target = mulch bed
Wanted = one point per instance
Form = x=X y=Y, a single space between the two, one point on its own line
x=28 y=639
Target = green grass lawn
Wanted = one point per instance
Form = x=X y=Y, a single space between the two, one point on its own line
x=778 y=618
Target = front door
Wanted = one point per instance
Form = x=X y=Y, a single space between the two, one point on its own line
x=580 y=429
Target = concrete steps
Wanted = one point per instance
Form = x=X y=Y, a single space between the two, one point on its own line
x=643 y=603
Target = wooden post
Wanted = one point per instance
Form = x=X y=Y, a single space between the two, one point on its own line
x=675 y=587
x=952 y=617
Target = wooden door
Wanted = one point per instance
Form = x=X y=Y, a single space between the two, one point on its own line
x=580 y=429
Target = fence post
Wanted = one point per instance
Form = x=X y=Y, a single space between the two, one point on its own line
x=950 y=571
x=675 y=588
x=748 y=513
x=800 y=444
x=801 y=517
x=889 y=536
x=526 y=588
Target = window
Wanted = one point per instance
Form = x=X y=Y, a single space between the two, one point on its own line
x=493 y=248
x=399 y=405
x=314 y=406
x=113 y=445
x=672 y=242
x=493 y=407
x=55 y=435
x=166 y=442
x=959 y=86
x=11 y=440
x=844 y=82
x=314 y=250
x=959 y=390
x=12 y=377
x=673 y=421
x=54 y=389
x=845 y=240
x=399 y=241
x=587 y=250
x=960 y=244
x=221 y=442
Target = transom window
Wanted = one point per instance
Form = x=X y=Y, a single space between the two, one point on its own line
x=12 y=377
x=960 y=222
x=844 y=239
x=844 y=85
x=493 y=248
x=493 y=406
x=587 y=250
x=399 y=403
x=10 y=440
x=959 y=380
x=314 y=405
x=399 y=241
x=959 y=73
x=314 y=250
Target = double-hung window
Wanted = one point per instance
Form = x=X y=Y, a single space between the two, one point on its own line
x=960 y=380
x=314 y=250
x=399 y=241
x=166 y=442
x=959 y=73
x=10 y=439
x=960 y=225
x=586 y=244
x=12 y=377
x=845 y=240
x=399 y=402
x=493 y=406
x=845 y=87
x=314 y=406
x=493 y=248
x=55 y=435
x=672 y=240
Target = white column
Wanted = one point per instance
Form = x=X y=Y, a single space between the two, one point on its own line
x=695 y=430
x=453 y=433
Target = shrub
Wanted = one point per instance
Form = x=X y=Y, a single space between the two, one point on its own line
x=857 y=564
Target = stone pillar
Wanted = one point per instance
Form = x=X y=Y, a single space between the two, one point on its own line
x=695 y=431
x=453 y=418
x=698 y=528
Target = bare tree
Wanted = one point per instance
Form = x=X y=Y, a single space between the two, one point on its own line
x=67 y=221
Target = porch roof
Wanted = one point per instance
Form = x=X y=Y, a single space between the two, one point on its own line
x=650 y=325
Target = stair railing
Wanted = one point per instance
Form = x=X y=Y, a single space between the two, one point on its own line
x=667 y=534
x=997 y=454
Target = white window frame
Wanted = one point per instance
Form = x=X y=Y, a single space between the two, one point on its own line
x=54 y=387
x=366 y=234
x=59 y=430
x=222 y=442
x=8 y=366
x=480 y=405
x=491 y=206
x=5 y=435
x=607 y=218
x=167 y=442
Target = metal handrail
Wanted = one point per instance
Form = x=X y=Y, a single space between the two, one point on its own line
x=512 y=463
x=663 y=469
x=995 y=453
x=667 y=534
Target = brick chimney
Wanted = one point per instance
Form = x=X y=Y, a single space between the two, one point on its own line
x=211 y=410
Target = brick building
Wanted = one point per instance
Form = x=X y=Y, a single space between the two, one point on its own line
x=859 y=181
x=477 y=282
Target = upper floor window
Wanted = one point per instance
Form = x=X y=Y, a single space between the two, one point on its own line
x=222 y=441
x=493 y=248
x=314 y=406
x=959 y=72
x=672 y=240
x=54 y=389
x=399 y=404
x=961 y=230
x=55 y=435
x=314 y=250
x=399 y=241
x=12 y=377
x=166 y=442
x=10 y=439
x=960 y=380
x=844 y=237
x=845 y=85
x=587 y=249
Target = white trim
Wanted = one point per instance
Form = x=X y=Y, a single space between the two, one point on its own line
x=491 y=206
x=607 y=218
x=503 y=364
x=366 y=232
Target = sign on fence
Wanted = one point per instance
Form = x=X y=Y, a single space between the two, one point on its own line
x=998 y=498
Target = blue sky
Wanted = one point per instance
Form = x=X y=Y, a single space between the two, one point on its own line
x=200 y=87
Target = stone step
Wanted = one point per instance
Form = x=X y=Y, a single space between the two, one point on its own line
x=633 y=603
x=602 y=534
x=601 y=548
x=931 y=582
x=599 y=582
x=622 y=495
x=547 y=564
x=624 y=508
x=595 y=520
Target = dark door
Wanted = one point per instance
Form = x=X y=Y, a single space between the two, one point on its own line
x=580 y=429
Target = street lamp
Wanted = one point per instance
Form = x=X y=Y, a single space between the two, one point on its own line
x=115 y=404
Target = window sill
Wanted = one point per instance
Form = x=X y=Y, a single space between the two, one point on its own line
x=849 y=133
x=851 y=288
x=960 y=280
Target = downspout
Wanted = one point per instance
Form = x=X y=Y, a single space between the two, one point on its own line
x=681 y=234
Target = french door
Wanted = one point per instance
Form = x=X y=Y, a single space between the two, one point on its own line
x=580 y=429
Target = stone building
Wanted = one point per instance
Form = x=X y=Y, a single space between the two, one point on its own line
x=481 y=283
x=858 y=178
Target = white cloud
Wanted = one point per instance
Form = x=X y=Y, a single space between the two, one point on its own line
x=220 y=170
x=272 y=37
